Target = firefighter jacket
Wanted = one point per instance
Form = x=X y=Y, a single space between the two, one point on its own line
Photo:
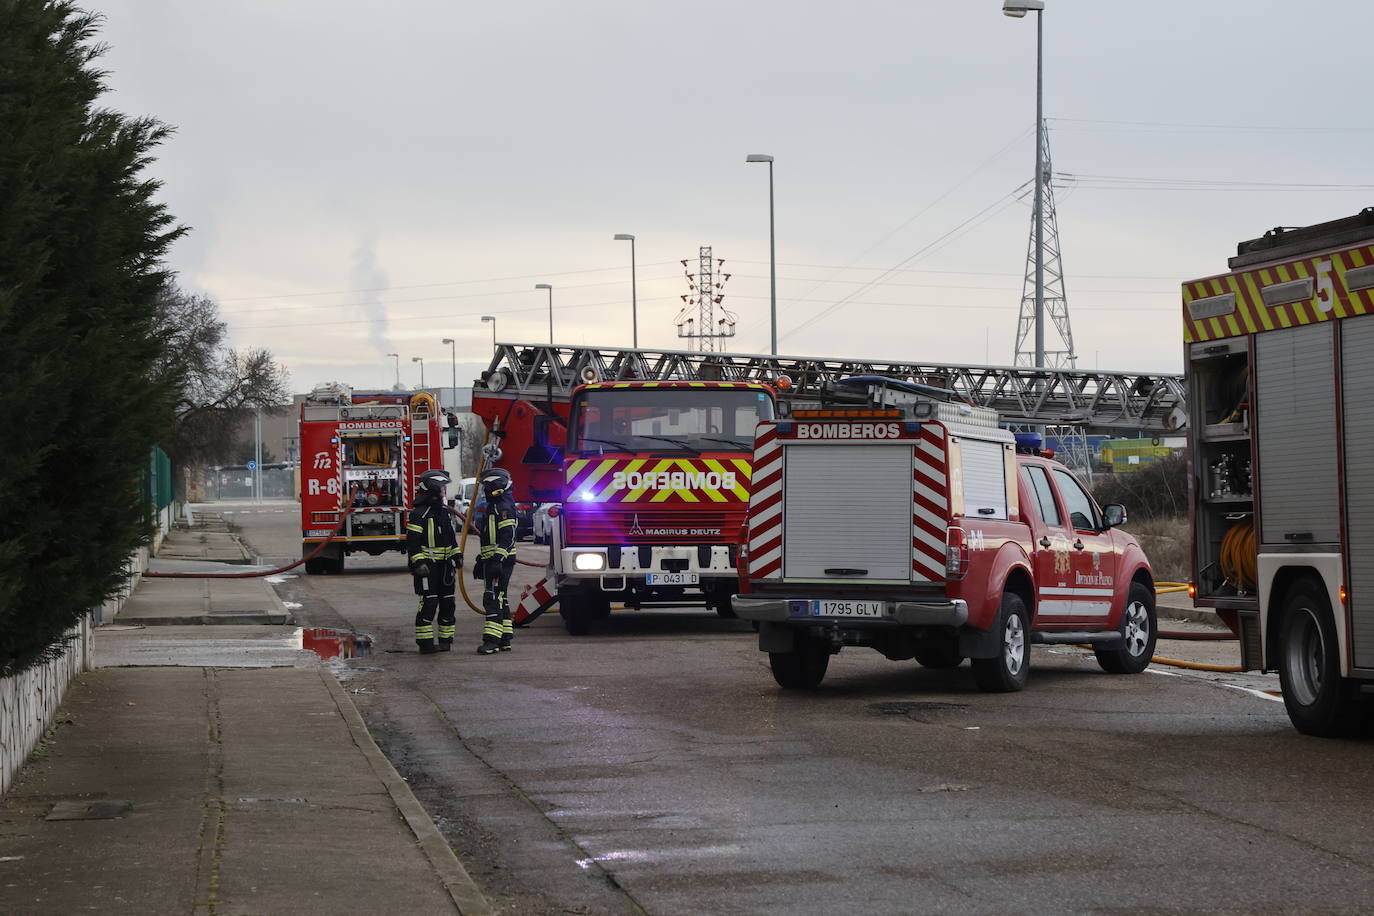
x=498 y=531
x=430 y=535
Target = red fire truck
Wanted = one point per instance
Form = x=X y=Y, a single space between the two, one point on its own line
x=651 y=478
x=362 y=450
x=1280 y=360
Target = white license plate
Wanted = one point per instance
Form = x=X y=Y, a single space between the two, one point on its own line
x=847 y=609
x=674 y=579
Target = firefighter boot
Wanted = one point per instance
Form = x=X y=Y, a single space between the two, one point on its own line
x=427 y=648
x=445 y=645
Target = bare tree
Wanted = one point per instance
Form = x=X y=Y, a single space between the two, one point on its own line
x=216 y=386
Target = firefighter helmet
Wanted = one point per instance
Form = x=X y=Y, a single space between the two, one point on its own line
x=496 y=481
x=433 y=482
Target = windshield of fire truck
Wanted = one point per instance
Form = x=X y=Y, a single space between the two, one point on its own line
x=659 y=420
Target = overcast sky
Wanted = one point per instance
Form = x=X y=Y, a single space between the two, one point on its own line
x=363 y=179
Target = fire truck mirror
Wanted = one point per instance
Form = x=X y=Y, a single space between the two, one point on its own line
x=451 y=437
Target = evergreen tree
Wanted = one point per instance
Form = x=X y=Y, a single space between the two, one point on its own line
x=81 y=247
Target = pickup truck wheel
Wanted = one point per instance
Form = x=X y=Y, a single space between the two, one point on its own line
x=801 y=669
x=1006 y=673
x=1139 y=629
x=938 y=653
x=1320 y=702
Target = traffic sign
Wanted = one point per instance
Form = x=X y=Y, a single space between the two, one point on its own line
x=252 y=465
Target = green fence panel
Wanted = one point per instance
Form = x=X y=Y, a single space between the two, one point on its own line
x=157 y=483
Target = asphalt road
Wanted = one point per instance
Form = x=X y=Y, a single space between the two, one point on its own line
x=654 y=766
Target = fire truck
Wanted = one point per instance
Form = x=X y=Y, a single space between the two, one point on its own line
x=1279 y=354
x=363 y=451
x=914 y=524
x=647 y=454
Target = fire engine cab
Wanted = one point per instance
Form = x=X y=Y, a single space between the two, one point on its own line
x=917 y=527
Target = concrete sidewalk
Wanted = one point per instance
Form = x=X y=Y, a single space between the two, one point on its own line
x=234 y=777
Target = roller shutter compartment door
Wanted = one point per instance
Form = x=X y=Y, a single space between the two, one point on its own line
x=1357 y=371
x=985 y=479
x=1295 y=391
x=847 y=507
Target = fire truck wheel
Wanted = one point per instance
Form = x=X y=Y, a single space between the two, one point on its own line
x=1320 y=702
x=580 y=607
x=801 y=669
x=1140 y=628
x=939 y=652
x=1006 y=673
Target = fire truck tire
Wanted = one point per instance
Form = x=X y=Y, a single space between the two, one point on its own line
x=1140 y=629
x=579 y=607
x=1319 y=701
x=801 y=669
x=939 y=652
x=1006 y=672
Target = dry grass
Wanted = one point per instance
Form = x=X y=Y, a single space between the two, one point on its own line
x=1165 y=541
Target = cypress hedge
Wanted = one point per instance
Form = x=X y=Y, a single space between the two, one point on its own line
x=82 y=241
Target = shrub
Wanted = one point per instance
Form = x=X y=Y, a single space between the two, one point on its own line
x=81 y=247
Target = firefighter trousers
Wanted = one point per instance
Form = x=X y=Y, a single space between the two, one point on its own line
x=436 y=596
x=497 y=630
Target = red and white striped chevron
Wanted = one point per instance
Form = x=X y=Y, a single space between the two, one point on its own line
x=534 y=600
x=765 y=506
x=930 y=504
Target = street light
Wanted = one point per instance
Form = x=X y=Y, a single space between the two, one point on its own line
x=492 y=319
x=398 y=369
x=453 y=352
x=772 y=254
x=550 y=289
x=634 y=292
x=1017 y=9
x=421 y=361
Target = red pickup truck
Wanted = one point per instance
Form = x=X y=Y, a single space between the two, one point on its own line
x=925 y=531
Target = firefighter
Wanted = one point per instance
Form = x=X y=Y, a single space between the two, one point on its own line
x=496 y=560
x=431 y=550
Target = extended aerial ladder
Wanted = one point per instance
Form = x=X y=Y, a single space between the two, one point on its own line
x=1150 y=403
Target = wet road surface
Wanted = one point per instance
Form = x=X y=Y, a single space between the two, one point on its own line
x=654 y=766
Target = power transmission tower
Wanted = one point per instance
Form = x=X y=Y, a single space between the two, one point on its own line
x=1058 y=352
x=706 y=291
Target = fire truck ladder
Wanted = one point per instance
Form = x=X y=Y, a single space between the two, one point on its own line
x=1142 y=401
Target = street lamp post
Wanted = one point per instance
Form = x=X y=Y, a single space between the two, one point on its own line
x=492 y=319
x=550 y=289
x=398 y=369
x=634 y=291
x=772 y=255
x=1017 y=9
x=453 y=354
x=421 y=361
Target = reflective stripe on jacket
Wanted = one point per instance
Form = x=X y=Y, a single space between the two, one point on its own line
x=430 y=534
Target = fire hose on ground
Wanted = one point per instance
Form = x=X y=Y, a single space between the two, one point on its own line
x=1162 y=588
x=258 y=573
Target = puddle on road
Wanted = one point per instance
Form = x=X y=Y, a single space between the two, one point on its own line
x=327 y=642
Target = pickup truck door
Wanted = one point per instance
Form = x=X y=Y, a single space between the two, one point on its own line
x=1053 y=556
x=1094 y=558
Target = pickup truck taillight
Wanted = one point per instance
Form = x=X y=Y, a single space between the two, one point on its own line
x=956 y=553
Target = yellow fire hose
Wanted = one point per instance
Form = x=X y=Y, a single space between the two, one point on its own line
x=1164 y=588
